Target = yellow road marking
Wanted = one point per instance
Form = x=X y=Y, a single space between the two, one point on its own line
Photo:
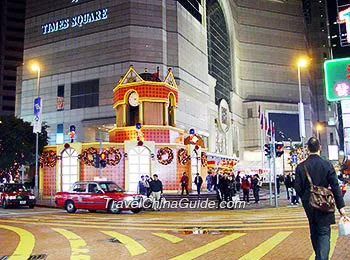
x=152 y=228
x=208 y=247
x=334 y=237
x=202 y=224
x=77 y=244
x=25 y=245
x=171 y=238
x=262 y=249
x=134 y=247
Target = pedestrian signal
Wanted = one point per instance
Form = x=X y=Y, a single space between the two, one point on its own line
x=279 y=151
x=96 y=159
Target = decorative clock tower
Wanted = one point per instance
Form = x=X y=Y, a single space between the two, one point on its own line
x=145 y=99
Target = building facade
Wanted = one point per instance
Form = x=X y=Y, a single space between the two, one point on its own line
x=12 y=17
x=228 y=58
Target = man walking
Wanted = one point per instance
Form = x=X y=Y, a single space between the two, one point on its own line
x=156 y=189
x=198 y=181
x=323 y=174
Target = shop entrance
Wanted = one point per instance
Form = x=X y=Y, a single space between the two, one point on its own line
x=139 y=164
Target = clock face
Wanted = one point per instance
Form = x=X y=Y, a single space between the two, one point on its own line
x=133 y=99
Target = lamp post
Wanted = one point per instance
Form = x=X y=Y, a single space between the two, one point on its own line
x=35 y=67
x=302 y=62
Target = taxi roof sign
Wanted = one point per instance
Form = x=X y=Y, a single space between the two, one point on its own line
x=337 y=79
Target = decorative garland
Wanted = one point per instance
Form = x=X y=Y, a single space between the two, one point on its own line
x=204 y=159
x=117 y=156
x=85 y=156
x=48 y=158
x=165 y=151
x=182 y=156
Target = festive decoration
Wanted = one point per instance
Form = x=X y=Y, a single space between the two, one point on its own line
x=86 y=156
x=113 y=152
x=204 y=159
x=48 y=158
x=182 y=156
x=66 y=146
x=139 y=143
x=165 y=156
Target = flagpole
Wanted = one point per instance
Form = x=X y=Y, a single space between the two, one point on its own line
x=270 y=168
x=274 y=163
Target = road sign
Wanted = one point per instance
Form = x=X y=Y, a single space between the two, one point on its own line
x=37 y=115
x=337 y=79
x=294 y=158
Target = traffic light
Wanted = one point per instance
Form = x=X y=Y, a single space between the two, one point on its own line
x=96 y=158
x=278 y=148
x=103 y=160
x=267 y=150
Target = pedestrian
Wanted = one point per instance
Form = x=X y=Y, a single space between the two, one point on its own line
x=256 y=187
x=198 y=181
x=321 y=173
x=246 y=188
x=157 y=190
x=278 y=182
x=287 y=183
x=231 y=187
x=142 y=189
x=147 y=185
x=208 y=180
x=214 y=181
x=184 y=183
x=293 y=193
x=238 y=182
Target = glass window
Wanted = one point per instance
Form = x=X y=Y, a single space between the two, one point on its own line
x=139 y=164
x=69 y=168
x=79 y=187
x=85 y=94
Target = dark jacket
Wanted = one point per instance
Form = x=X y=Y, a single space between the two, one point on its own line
x=156 y=185
x=198 y=180
x=254 y=184
x=323 y=174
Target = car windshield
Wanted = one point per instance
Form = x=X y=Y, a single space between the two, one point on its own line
x=110 y=187
x=15 y=187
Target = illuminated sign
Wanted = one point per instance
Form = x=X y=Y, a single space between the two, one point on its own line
x=337 y=79
x=343 y=7
x=75 y=21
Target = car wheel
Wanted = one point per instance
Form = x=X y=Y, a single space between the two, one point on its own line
x=136 y=210
x=113 y=207
x=92 y=210
x=4 y=204
x=31 y=206
x=70 y=207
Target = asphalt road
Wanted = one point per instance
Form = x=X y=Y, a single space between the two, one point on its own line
x=44 y=233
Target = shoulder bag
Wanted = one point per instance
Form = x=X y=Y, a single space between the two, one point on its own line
x=321 y=198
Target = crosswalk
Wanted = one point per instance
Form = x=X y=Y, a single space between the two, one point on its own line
x=190 y=235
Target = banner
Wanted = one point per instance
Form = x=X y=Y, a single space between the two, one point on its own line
x=37 y=115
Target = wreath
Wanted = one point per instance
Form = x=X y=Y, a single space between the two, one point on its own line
x=86 y=156
x=165 y=155
x=204 y=159
x=182 y=156
x=48 y=158
x=117 y=156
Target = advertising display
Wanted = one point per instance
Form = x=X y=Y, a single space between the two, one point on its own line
x=337 y=79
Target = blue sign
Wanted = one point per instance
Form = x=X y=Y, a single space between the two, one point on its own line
x=72 y=128
x=294 y=158
x=75 y=21
x=37 y=106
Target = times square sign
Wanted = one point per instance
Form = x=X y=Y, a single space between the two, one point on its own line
x=75 y=21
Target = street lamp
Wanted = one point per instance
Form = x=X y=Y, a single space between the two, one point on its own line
x=302 y=62
x=319 y=128
x=36 y=67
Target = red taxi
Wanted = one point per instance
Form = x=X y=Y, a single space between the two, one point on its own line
x=98 y=195
x=16 y=194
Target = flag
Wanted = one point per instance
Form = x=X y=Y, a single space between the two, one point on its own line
x=269 y=127
x=259 y=113
x=262 y=121
x=273 y=129
x=266 y=125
